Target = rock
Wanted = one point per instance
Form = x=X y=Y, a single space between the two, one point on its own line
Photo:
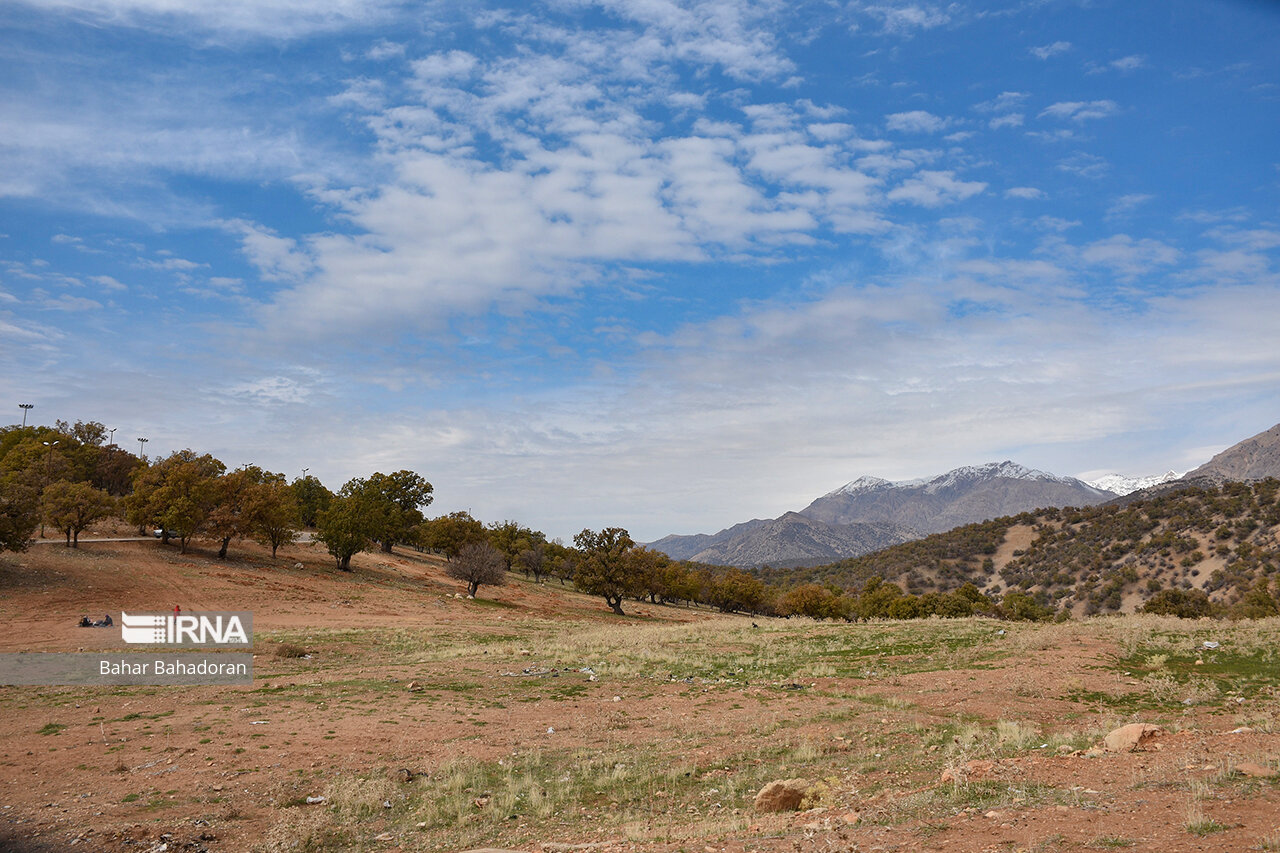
x=1132 y=737
x=1259 y=771
x=385 y=836
x=782 y=795
x=968 y=770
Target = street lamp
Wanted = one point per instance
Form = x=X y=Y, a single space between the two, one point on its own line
x=26 y=407
x=48 y=475
x=141 y=454
x=111 y=441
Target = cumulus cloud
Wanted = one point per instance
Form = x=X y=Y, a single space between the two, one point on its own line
x=934 y=189
x=1079 y=111
x=1029 y=193
x=1048 y=50
x=915 y=121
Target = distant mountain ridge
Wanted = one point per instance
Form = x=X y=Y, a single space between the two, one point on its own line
x=793 y=539
x=1123 y=485
x=1254 y=458
x=870 y=513
x=963 y=496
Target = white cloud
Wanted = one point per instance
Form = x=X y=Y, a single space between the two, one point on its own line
x=1128 y=257
x=277 y=258
x=934 y=189
x=903 y=18
x=1004 y=102
x=1048 y=50
x=915 y=121
x=384 y=49
x=269 y=18
x=1079 y=111
x=1029 y=193
x=1085 y=165
x=1007 y=120
x=1127 y=204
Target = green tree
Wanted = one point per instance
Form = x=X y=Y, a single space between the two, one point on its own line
x=312 y=499
x=71 y=507
x=345 y=528
x=603 y=568
x=19 y=515
x=1184 y=603
x=393 y=504
x=228 y=518
x=1257 y=602
x=273 y=513
x=478 y=563
x=177 y=493
x=449 y=533
x=1020 y=606
x=511 y=539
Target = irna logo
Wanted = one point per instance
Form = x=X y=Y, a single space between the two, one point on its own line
x=230 y=628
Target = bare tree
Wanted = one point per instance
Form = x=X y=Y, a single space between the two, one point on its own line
x=478 y=563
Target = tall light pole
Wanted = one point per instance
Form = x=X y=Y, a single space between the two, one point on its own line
x=48 y=475
x=141 y=454
x=111 y=441
x=26 y=407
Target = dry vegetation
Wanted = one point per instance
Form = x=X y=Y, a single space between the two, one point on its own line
x=1215 y=541
x=389 y=713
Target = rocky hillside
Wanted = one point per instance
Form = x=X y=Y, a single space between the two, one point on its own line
x=795 y=540
x=1216 y=542
x=1252 y=459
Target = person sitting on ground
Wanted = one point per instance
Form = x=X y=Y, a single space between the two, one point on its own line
x=106 y=621
x=85 y=623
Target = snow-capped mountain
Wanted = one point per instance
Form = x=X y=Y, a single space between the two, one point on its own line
x=884 y=511
x=963 y=496
x=1123 y=485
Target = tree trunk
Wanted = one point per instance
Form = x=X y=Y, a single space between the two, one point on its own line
x=68 y=545
x=75 y=539
x=472 y=588
x=345 y=563
x=222 y=552
x=615 y=602
x=386 y=546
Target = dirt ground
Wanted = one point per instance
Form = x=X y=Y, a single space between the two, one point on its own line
x=406 y=706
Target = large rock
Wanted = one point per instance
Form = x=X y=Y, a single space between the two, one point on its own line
x=782 y=795
x=1131 y=738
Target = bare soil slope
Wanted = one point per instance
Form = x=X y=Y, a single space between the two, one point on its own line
x=534 y=719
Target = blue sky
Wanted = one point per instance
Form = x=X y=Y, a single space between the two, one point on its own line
x=665 y=265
